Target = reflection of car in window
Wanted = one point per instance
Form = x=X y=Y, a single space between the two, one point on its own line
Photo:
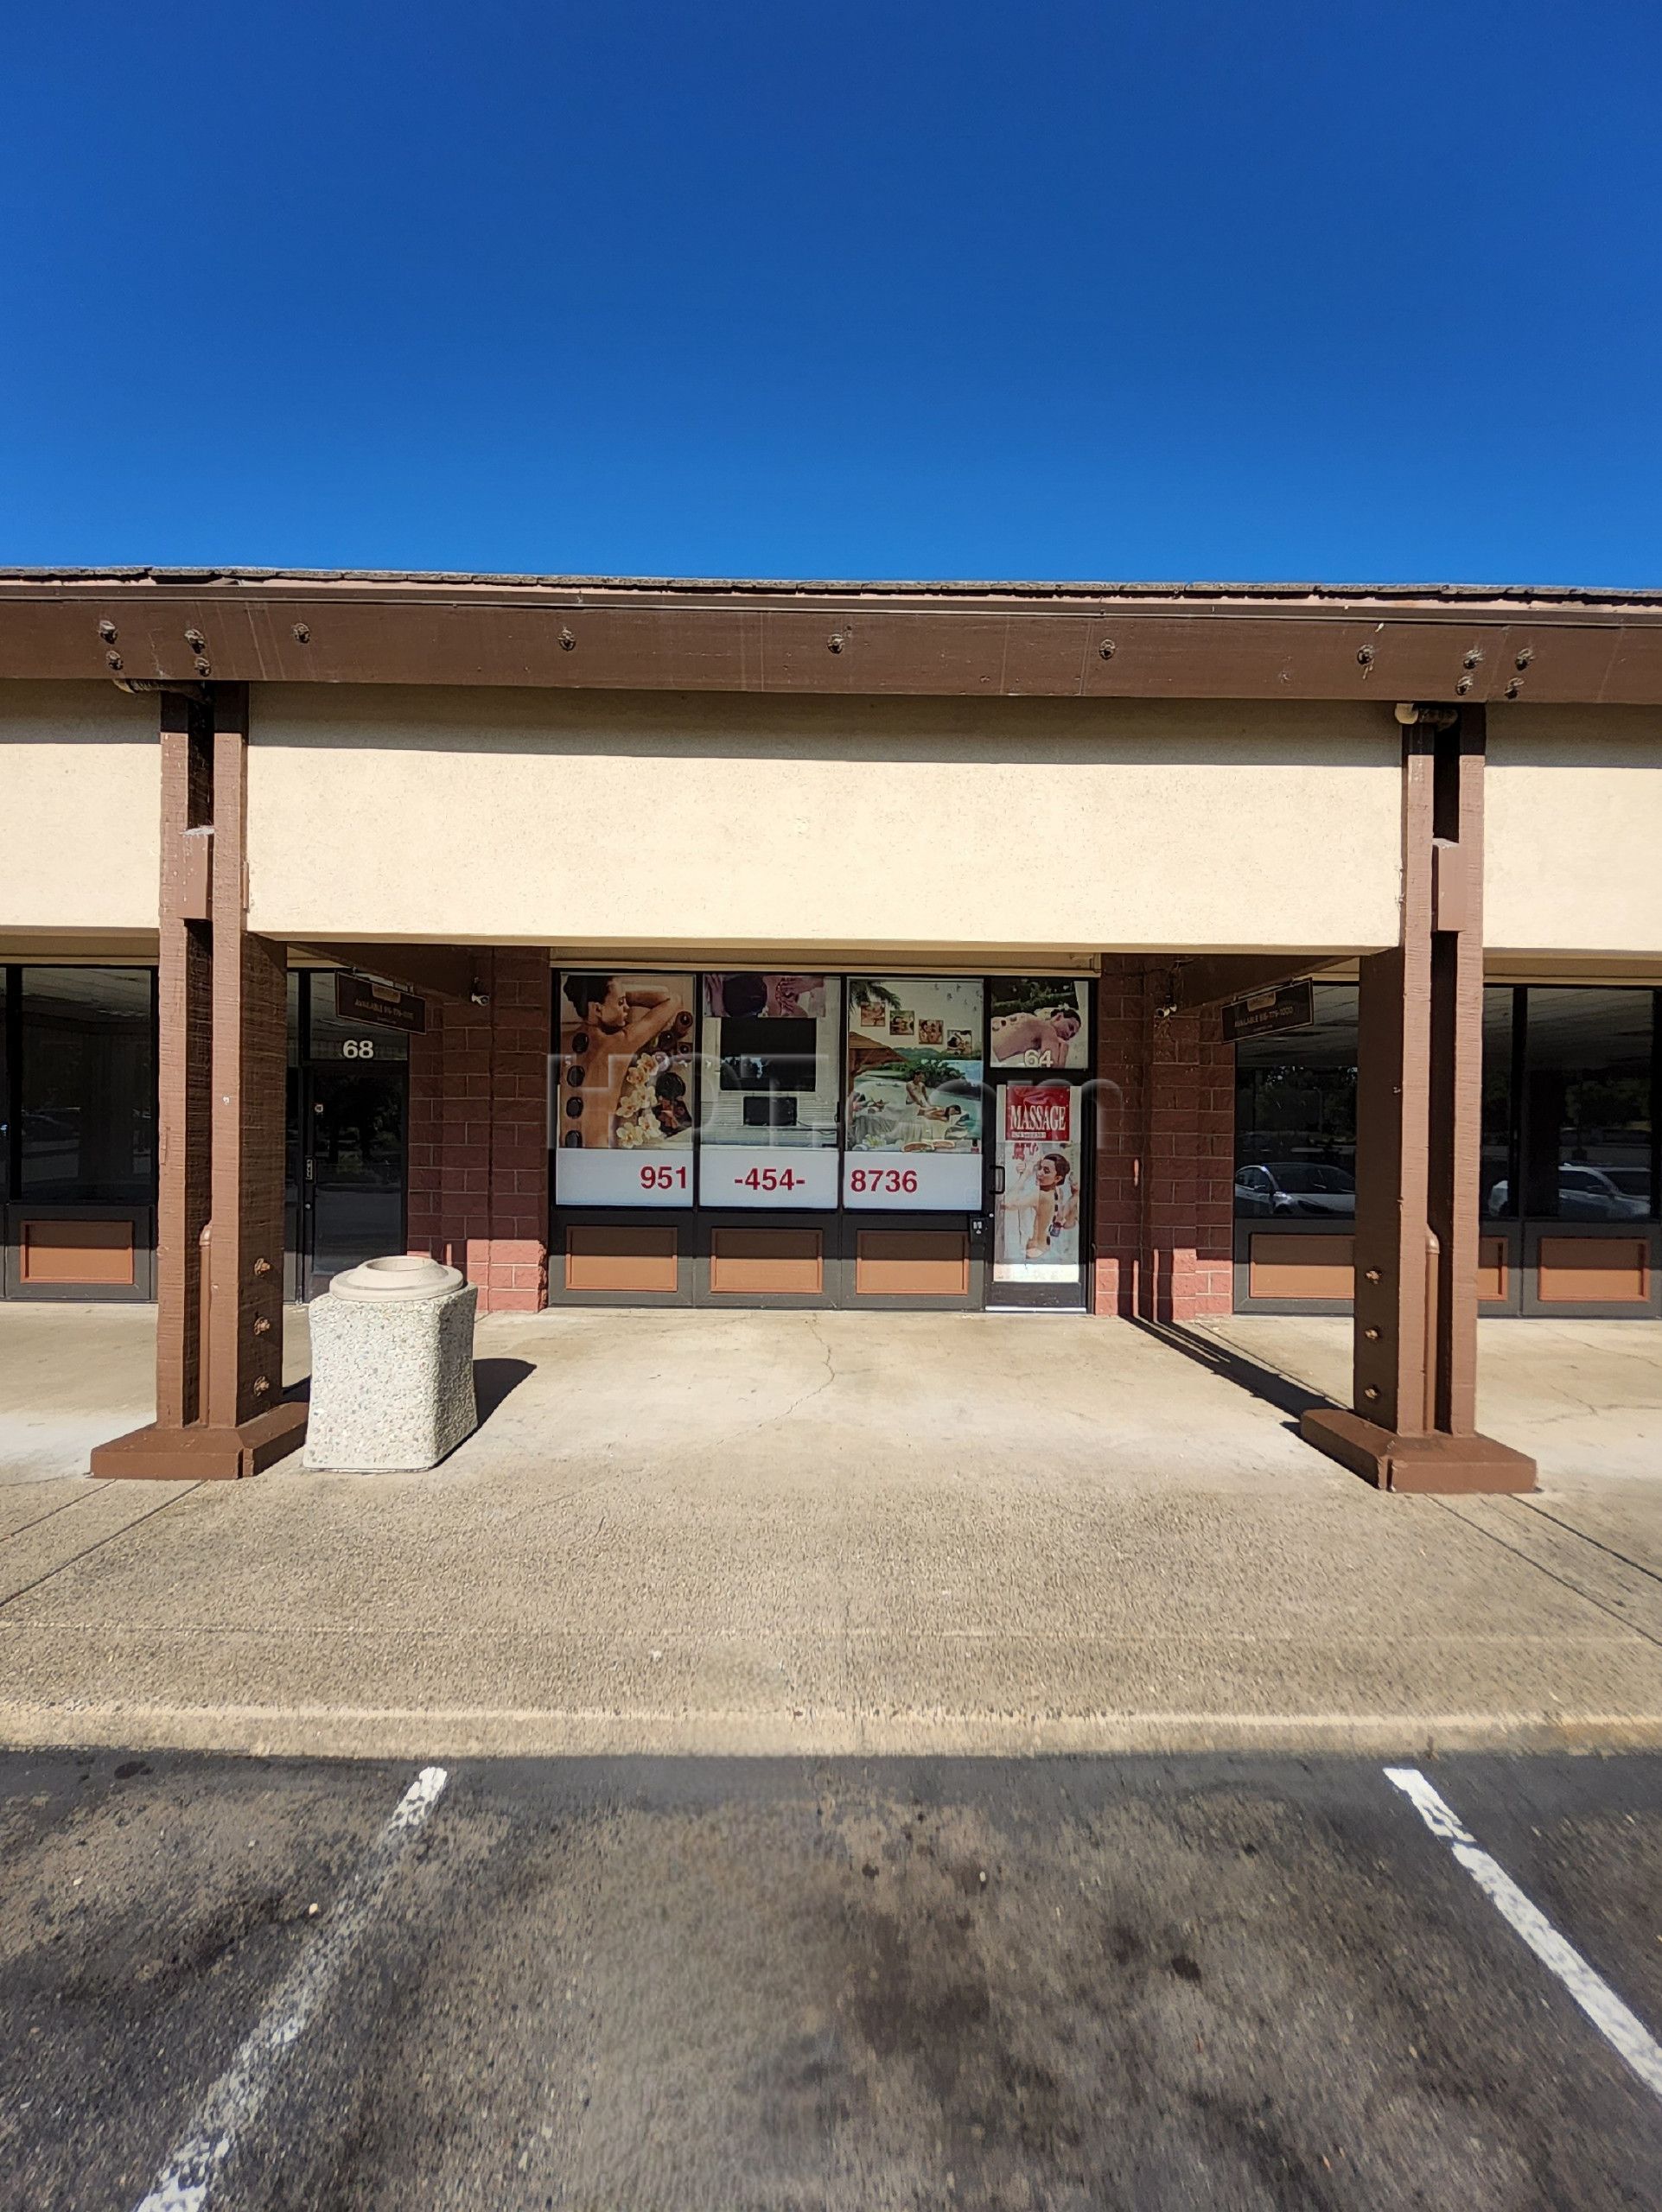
x=1296 y=1186
x=1588 y=1193
x=1633 y=1184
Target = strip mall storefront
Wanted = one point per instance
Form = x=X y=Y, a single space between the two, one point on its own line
x=748 y=1137
x=751 y=1137
x=831 y=945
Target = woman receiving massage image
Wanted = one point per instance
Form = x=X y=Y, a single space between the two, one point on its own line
x=1039 y=1039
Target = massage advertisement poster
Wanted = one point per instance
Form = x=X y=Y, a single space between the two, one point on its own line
x=1039 y=1021
x=914 y=1094
x=1037 y=1231
x=621 y=1110
x=770 y=1090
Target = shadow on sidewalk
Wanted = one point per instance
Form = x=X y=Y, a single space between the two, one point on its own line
x=493 y=1381
x=1282 y=1391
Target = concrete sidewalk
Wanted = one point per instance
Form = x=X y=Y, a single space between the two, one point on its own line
x=839 y=1532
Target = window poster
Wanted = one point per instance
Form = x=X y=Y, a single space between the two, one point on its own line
x=915 y=1093
x=621 y=1113
x=1037 y=1231
x=770 y=1090
x=1039 y=1021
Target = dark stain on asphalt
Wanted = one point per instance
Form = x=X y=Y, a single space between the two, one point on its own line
x=1031 y=1987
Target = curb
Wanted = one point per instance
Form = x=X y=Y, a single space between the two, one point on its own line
x=333 y=1731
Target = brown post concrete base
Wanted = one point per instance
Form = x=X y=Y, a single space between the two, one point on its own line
x=197 y=1453
x=1439 y=1464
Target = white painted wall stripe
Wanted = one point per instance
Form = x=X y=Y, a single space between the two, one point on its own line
x=235 y=2099
x=1622 y=2029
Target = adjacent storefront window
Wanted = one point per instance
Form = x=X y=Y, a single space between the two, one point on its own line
x=622 y=1112
x=1499 y=1110
x=1295 y=1115
x=86 y=1072
x=770 y=1090
x=915 y=1093
x=1586 y=1140
x=1567 y=1107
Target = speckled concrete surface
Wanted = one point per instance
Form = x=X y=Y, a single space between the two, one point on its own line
x=828 y=1532
x=393 y=1382
x=1583 y=1398
x=72 y=1376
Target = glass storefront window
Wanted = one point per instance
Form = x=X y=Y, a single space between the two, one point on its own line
x=769 y=1095
x=1295 y=1114
x=621 y=1112
x=804 y=1092
x=88 y=1086
x=1587 y=1144
x=1580 y=1122
x=1494 y=1165
x=915 y=1093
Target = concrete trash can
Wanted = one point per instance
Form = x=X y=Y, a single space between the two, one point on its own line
x=392 y=1367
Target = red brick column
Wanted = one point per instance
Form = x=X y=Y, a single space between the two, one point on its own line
x=1165 y=1151
x=479 y=1135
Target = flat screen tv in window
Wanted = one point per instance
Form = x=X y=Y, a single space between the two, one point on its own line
x=763 y=1052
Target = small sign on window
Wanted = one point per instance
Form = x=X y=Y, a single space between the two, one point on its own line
x=356 y=999
x=1290 y=1007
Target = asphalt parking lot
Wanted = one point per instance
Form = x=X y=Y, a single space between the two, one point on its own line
x=1213 y=1982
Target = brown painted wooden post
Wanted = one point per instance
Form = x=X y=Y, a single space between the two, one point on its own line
x=222 y=1019
x=184 y=980
x=250 y=1054
x=1413 y=1424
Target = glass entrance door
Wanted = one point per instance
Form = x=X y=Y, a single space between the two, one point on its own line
x=1039 y=1055
x=354 y=1138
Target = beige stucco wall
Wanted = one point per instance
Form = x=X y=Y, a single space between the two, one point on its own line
x=600 y=819
x=1573 y=860
x=80 y=808
x=616 y=819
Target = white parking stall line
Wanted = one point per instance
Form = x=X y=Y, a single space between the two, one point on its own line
x=235 y=2099
x=1621 y=2028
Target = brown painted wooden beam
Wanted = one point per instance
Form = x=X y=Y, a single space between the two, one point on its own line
x=849 y=642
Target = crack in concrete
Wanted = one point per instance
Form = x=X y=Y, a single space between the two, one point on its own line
x=808 y=1396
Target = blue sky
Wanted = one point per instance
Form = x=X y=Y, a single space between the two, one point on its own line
x=1199 y=289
